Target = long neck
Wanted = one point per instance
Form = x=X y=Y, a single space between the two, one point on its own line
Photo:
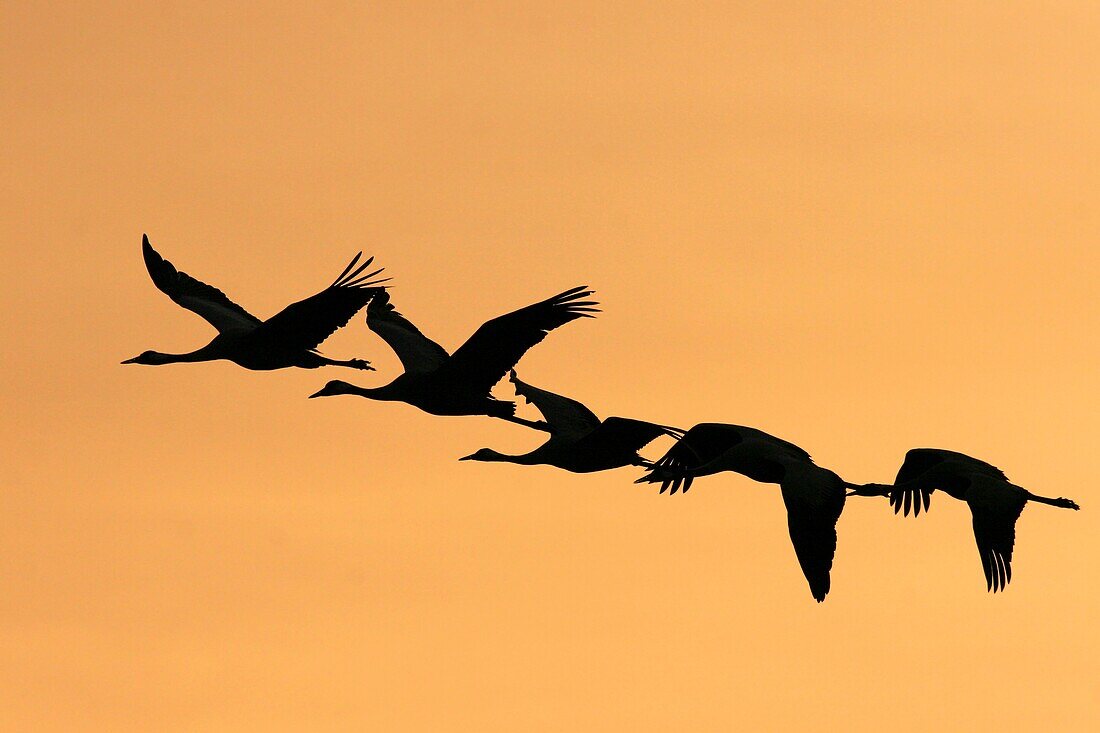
x=385 y=392
x=527 y=459
x=206 y=353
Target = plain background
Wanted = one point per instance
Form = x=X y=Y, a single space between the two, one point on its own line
x=860 y=228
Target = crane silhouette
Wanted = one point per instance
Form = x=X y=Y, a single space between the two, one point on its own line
x=288 y=339
x=579 y=441
x=995 y=502
x=459 y=384
x=814 y=496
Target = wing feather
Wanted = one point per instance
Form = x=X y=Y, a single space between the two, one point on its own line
x=566 y=417
x=698 y=446
x=812 y=514
x=919 y=461
x=495 y=348
x=995 y=509
x=617 y=435
x=196 y=296
x=305 y=324
x=417 y=352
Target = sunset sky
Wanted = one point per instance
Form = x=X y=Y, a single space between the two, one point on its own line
x=857 y=227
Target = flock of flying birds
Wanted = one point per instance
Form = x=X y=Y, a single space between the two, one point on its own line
x=442 y=383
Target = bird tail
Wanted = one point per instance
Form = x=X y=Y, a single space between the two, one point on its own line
x=1061 y=502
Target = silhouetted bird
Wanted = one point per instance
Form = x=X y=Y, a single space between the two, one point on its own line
x=287 y=339
x=579 y=441
x=458 y=384
x=994 y=502
x=814 y=496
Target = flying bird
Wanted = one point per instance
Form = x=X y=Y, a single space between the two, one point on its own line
x=814 y=496
x=995 y=502
x=287 y=339
x=458 y=384
x=579 y=441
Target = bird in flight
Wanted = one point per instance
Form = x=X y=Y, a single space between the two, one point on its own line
x=579 y=441
x=288 y=339
x=995 y=503
x=458 y=384
x=814 y=496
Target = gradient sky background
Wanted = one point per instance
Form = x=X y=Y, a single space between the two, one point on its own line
x=860 y=228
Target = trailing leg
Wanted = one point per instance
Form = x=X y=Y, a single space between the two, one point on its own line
x=1061 y=501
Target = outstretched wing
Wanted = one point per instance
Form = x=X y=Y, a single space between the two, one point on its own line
x=495 y=348
x=196 y=296
x=778 y=445
x=305 y=324
x=567 y=418
x=417 y=352
x=699 y=446
x=919 y=461
x=813 y=509
x=618 y=435
x=995 y=509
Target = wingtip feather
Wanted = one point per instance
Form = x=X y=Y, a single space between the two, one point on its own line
x=347 y=269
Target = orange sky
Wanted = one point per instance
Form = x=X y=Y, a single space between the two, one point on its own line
x=858 y=228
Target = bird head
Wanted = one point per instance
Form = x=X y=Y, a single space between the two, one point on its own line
x=335 y=387
x=483 y=454
x=150 y=357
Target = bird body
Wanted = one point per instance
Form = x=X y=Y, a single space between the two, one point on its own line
x=435 y=396
x=459 y=384
x=579 y=441
x=995 y=502
x=813 y=496
x=287 y=339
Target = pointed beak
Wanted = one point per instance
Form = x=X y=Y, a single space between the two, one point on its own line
x=467 y=458
x=129 y=361
x=316 y=394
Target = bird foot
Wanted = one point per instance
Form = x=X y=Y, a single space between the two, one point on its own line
x=866 y=490
x=361 y=364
